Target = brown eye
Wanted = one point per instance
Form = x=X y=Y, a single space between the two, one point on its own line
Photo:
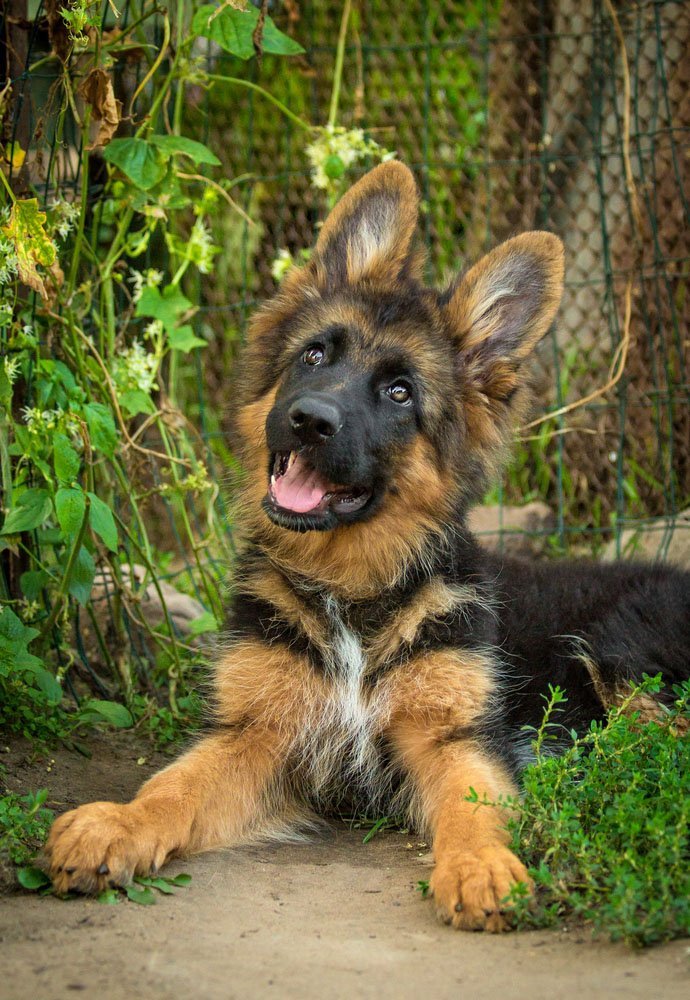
x=313 y=356
x=399 y=392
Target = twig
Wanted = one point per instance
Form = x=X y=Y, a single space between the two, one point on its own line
x=221 y=190
x=629 y=180
x=615 y=371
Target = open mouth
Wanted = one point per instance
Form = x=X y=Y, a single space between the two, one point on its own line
x=297 y=488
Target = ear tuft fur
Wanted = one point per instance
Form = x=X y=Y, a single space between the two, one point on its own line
x=368 y=235
x=505 y=304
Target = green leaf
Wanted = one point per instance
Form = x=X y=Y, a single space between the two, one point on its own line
x=162 y=884
x=142 y=896
x=101 y=427
x=32 y=583
x=181 y=879
x=138 y=159
x=196 y=151
x=233 y=30
x=48 y=685
x=5 y=389
x=65 y=459
x=102 y=521
x=81 y=577
x=30 y=510
x=32 y=878
x=135 y=401
x=203 y=624
x=183 y=338
x=15 y=636
x=168 y=307
x=70 y=505
x=109 y=896
x=109 y=711
x=13 y=630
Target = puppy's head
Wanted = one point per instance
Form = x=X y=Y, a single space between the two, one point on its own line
x=370 y=400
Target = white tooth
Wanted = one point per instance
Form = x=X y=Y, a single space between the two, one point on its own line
x=273 y=480
x=291 y=459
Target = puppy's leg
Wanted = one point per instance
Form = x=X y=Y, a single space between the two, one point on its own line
x=474 y=869
x=217 y=794
x=227 y=789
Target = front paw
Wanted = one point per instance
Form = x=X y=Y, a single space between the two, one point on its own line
x=470 y=887
x=99 y=845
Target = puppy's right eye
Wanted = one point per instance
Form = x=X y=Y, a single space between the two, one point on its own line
x=313 y=355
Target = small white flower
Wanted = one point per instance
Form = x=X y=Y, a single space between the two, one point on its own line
x=9 y=264
x=153 y=277
x=137 y=279
x=335 y=149
x=201 y=248
x=66 y=215
x=135 y=368
x=12 y=366
x=153 y=330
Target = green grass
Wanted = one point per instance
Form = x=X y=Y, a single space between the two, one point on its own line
x=604 y=828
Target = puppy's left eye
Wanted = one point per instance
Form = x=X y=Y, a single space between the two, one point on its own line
x=313 y=355
x=399 y=392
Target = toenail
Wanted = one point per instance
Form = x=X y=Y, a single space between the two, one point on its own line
x=70 y=871
x=458 y=907
x=103 y=869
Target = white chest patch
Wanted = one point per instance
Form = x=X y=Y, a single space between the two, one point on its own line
x=343 y=756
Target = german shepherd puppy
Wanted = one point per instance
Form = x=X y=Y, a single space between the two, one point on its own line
x=376 y=657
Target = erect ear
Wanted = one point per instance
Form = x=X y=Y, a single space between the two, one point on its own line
x=503 y=306
x=368 y=235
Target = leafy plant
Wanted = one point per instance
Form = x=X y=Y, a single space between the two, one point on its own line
x=96 y=349
x=140 y=891
x=24 y=823
x=606 y=826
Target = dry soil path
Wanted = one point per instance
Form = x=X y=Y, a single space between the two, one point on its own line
x=331 y=919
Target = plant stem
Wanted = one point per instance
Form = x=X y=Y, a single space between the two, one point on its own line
x=64 y=583
x=339 y=60
x=264 y=93
x=7 y=187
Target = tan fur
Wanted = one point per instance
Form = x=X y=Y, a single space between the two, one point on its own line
x=272 y=587
x=474 y=869
x=378 y=248
x=477 y=309
x=619 y=695
x=432 y=600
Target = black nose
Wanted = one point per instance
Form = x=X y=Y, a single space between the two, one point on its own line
x=314 y=419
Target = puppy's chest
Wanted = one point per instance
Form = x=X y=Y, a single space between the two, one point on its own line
x=353 y=702
x=344 y=747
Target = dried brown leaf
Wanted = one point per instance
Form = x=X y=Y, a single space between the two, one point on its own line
x=97 y=91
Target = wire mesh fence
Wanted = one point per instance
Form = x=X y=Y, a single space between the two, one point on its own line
x=569 y=116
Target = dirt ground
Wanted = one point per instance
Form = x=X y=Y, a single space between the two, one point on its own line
x=334 y=918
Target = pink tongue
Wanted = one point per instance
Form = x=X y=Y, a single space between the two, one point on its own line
x=301 y=489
